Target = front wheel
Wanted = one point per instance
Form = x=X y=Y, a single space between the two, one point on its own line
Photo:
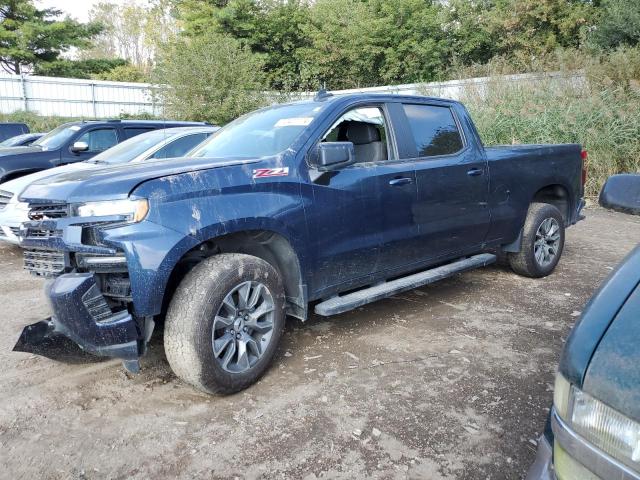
x=224 y=323
x=542 y=242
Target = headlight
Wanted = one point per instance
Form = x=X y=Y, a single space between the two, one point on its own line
x=599 y=424
x=132 y=210
x=606 y=428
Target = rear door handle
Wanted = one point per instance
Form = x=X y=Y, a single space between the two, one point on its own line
x=400 y=181
x=474 y=172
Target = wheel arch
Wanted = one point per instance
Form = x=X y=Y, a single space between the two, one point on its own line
x=557 y=195
x=268 y=245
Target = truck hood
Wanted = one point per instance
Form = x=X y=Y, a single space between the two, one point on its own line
x=116 y=181
x=19 y=184
x=590 y=341
x=613 y=375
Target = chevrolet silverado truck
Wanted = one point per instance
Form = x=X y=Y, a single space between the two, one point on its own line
x=593 y=429
x=333 y=202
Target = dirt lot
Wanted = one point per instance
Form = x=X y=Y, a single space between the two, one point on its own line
x=448 y=381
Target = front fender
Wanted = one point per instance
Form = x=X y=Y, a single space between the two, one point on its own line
x=153 y=252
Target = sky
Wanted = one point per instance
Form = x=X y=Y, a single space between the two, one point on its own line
x=78 y=9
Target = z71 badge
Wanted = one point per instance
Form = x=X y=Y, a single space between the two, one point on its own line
x=271 y=172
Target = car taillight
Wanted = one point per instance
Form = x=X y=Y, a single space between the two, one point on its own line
x=584 y=155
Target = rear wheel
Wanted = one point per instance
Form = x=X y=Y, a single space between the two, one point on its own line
x=224 y=323
x=542 y=242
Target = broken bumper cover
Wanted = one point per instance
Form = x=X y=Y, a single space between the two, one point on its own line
x=82 y=323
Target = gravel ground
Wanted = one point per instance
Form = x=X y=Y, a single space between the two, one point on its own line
x=450 y=381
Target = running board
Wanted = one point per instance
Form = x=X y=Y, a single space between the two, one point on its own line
x=341 y=304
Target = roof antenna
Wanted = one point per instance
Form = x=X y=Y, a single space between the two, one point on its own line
x=322 y=93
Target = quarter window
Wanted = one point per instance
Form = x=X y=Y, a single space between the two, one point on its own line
x=434 y=130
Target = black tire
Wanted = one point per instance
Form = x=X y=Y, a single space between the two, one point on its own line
x=189 y=322
x=524 y=262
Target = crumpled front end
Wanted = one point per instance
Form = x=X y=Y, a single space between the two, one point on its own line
x=89 y=290
x=82 y=323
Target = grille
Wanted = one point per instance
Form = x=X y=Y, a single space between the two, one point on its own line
x=96 y=304
x=15 y=231
x=42 y=233
x=5 y=198
x=44 y=263
x=49 y=211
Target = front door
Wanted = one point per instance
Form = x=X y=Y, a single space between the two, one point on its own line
x=361 y=216
x=98 y=139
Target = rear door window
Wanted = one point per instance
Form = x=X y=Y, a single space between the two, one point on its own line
x=434 y=130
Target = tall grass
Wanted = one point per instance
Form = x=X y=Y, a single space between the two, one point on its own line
x=599 y=108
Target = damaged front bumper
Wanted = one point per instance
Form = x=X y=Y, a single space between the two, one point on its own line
x=82 y=324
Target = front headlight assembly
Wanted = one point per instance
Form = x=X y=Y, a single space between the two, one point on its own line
x=131 y=210
x=599 y=424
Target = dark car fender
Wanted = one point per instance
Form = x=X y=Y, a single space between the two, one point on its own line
x=597 y=317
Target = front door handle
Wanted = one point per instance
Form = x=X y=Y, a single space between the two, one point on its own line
x=474 y=172
x=400 y=181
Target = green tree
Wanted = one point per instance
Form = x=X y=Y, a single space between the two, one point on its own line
x=413 y=41
x=209 y=77
x=30 y=37
x=78 y=68
x=619 y=24
x=465 y=24
x=360 y=44
x=525 y=29
x=343 y=52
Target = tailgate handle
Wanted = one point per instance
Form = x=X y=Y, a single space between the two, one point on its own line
x=400 y=181
x=474 y=172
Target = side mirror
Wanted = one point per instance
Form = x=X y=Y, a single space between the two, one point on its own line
x=622 y=193
x=333 y=155
x=80 y=147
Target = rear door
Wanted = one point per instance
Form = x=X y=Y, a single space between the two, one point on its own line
x=451 y=211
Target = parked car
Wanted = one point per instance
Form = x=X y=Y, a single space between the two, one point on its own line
x=21 y=140
x=593 y=430
x=74 y=142
x=11 y=129
x=339 y=200
x=156 y=144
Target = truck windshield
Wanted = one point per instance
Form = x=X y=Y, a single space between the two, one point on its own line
x=129 y=149
x=57 y=137
x=260 y=134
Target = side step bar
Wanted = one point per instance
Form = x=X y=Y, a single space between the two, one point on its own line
x=340 y=304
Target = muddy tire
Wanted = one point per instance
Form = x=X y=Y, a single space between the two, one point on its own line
x=224 y=323
x=542 y=242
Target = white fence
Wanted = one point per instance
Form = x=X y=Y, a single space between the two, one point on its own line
x=98 y=99
x=68 y=97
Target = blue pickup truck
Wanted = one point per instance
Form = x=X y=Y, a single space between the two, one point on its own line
x=335 y=202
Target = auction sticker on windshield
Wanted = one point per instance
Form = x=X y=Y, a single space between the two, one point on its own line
x=294 y=122
x=271 y=172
